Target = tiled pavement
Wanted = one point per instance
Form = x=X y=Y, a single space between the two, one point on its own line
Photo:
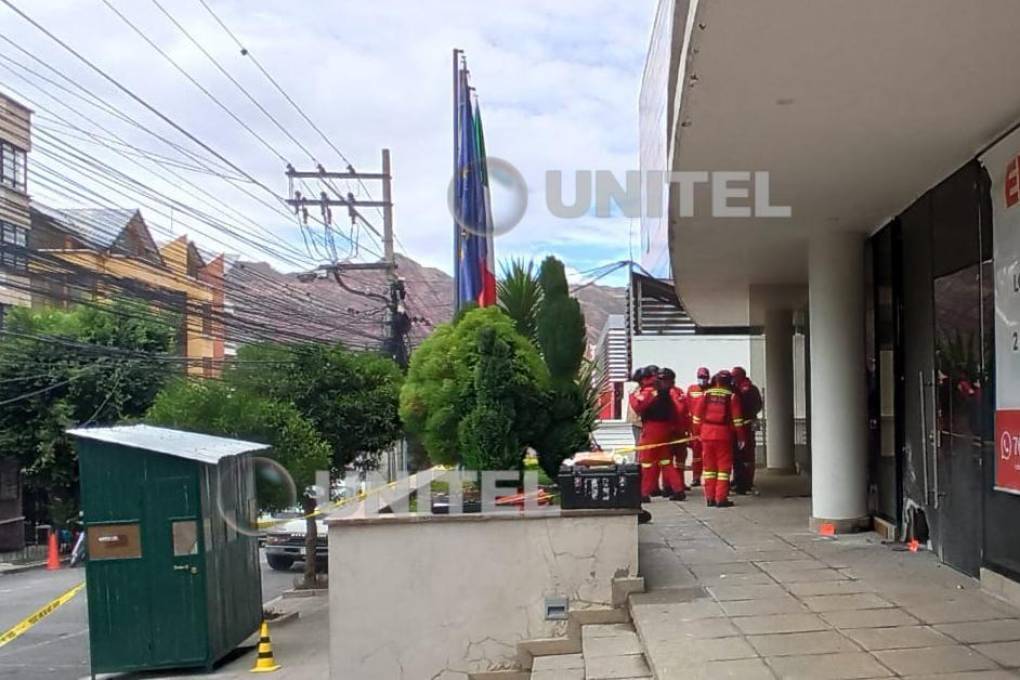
x=748 y=592
x=608 y=652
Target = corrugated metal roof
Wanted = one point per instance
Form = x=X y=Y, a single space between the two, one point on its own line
x=98 y=227
x=191 y=445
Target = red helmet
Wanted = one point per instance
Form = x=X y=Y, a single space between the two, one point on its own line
x=739 y=373
x=704 y=373
x=723 y=378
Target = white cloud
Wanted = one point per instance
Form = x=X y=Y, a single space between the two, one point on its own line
x=558 y=83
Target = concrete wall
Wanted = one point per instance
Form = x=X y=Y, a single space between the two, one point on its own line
x=685 y=353
x=436 y=597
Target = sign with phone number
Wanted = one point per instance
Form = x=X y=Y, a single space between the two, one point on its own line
x=1003 y=165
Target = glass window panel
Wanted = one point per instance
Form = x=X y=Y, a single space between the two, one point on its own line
x=185 y=533
x=114 y=541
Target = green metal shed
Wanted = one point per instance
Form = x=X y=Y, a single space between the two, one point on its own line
x=173 y=575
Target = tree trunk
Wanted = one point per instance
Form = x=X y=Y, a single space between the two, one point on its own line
x=311 y=543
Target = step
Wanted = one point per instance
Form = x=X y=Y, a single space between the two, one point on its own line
x=613 y=651
x=558 y=667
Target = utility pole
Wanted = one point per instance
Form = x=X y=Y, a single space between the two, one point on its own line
x=399 y=322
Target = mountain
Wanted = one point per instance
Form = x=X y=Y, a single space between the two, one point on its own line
x=268 y=303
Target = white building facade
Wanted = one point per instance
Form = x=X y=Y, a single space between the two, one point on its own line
x=888 y=129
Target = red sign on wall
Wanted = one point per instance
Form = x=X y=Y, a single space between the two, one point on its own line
x=1007 y=450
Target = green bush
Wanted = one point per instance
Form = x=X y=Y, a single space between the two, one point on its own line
x=443 y=384
x=488 y=438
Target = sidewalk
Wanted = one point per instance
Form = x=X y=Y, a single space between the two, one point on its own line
x=748 y=592
x=301 y=646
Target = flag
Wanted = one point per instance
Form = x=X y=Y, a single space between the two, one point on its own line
x=475 y=259
x=468 y=198
x=487 y=266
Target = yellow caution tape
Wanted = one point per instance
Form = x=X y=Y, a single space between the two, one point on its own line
x=23 y=627
x=643 y=447
x=340 y=503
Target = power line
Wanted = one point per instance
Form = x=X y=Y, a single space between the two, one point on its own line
x=130 y=93
x=227 y=74
x=279 y=88
x=193 y=81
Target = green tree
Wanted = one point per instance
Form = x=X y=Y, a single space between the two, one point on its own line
x=561 y=334
x=441 y=386
x=89 y=365
x=217 y=408
x=350 y=397
x=561 y=330
x=487 y=434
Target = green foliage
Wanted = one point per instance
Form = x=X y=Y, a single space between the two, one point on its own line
x=214 y=407
x=591 y=389
x=561 y=329
x=520 y=296
x=566 y=433
x=487 y=433
x=351 y=398
x=441 y=386
x=562 y=336
x=87 y=366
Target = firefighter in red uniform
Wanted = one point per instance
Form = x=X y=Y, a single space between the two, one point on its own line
x=694 y=394
x=682 y=428
x=717 y=419
x=658 y=422
x=750 y=405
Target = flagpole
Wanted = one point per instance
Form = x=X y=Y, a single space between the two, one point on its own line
x=456 y=136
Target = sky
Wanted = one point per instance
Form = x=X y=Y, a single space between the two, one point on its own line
x=558 y=84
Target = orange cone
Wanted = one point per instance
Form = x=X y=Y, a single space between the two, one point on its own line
x=913 y=545
x=827 y=529
x=53 y=554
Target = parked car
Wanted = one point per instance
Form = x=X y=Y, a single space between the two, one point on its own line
x=285 y=543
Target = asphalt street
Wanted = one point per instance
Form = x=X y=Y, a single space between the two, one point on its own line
x=57 y=647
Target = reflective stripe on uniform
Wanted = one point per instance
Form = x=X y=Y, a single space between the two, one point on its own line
x=738 y=422
x=665 y=462
x=708 y=475
x=723 y=475
x=646 y=465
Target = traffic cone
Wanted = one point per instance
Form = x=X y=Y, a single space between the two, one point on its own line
x=53 y=554
x=265 y=663
x=913 y=545
x=827 y=529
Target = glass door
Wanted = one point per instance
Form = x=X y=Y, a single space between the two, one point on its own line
x=960 y=382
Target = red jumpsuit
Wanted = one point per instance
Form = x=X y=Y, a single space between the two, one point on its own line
x=717 y=418
x=694 y=394
x=682 y=415
x=658 y=426
x=744 y=459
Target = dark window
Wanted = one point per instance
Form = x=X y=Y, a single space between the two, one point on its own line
x=12 y=166
x=206 y=318
x=13 y=253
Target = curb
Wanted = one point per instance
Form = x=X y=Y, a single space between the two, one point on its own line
x=19 y=568
x=304 y=592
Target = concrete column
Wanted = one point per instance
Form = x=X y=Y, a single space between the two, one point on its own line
x=838 y=380
x=779 y=389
